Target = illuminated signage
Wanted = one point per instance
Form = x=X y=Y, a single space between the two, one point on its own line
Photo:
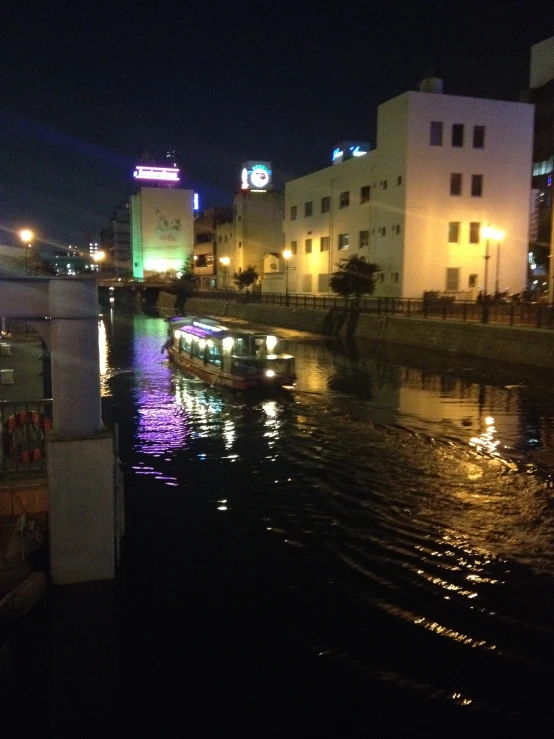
x=163 y=174
x=256 y=176
x=196 y=201
x=349 y=150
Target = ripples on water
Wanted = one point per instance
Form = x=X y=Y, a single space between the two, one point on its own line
x=414 y=493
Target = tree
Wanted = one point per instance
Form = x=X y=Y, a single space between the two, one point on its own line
x=186 y=275
x=246 y=278
x=354 y=276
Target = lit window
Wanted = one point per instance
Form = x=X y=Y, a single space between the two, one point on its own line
x=454 y=232
x=344 y=241
x=324 y=243
x=344 y=199
x=452 y=279
x=472 y=281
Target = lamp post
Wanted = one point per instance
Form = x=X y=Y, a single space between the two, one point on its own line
x=488 y=232
x=499 y=235
x=26 y=236
x=225 y=262
x=287 y=254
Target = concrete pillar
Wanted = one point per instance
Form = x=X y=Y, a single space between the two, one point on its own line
x=73 y=307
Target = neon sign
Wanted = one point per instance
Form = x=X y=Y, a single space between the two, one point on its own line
x=164 y=174
x=256 y=176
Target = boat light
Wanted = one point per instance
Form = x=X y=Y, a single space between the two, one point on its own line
x=269 y=373
x=202 y=343
x=228 y=342
x=271 y=342
x=209 y=342
x=176 y=334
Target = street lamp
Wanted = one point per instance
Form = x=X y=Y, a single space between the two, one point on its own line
x=99 y=257
x=225 y=262
x=287 y=254
x=487 y=233
x=499 y=235
x=26 y=236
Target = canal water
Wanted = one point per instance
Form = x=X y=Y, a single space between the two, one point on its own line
x=368 y=554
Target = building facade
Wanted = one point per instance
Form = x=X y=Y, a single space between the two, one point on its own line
x=444 y=168
x=541 y=94
x=205 y=255
x=162 y=234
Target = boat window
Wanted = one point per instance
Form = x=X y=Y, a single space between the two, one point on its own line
x=214 y=354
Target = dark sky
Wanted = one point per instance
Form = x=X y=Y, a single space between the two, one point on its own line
x=87 y=87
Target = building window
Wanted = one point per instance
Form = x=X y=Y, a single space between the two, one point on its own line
x=344 y=199
x=364 y=194
x=306 y=283
x=382 y=231
x=474 y=232
x=399 y=180
x=384 y=184
x=472 y=281
x=457 y=134
x=456 y=183
x=325 y=204
x=293 y=247
x=478 y=137
x=219 y=239
x=364 y=239
x=293 y=212
x=308 y=207
x=476 y=185
x=435 y=137
x=344 y=241
x=323 y=283
x=454 y=232
x=396 y=229
x=452 y=279
x=324 y=243
x=308 y=246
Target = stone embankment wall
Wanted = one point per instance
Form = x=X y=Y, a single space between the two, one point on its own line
x=502 y=343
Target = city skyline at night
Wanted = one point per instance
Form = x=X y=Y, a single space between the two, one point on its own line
x=86 y=92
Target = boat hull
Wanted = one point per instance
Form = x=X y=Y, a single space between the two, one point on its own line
x=218 y=378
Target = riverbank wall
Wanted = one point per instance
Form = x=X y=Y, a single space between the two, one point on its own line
x=495 y=342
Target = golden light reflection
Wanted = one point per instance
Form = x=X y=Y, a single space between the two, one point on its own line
x=271 y=422
x=486 y=442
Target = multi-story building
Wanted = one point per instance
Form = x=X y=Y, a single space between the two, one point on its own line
x=258 y=229
x=120 y=240
x=444 y=168
x=541 y=93
x=205 y=255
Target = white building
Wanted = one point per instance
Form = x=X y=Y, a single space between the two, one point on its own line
x=444 y=168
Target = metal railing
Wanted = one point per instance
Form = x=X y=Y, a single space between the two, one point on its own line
x=536 y=315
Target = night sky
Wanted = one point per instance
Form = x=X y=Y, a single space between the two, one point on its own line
x=88 y=87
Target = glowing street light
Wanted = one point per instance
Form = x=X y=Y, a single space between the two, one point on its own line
x=27 y=236
x=99 y=257
x=287 y=254
x=225 y=262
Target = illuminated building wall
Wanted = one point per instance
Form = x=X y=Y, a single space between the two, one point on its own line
x=162 y=234
x=258 y=228
x=395 y=205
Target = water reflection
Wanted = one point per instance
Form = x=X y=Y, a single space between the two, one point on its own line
x=406 y=481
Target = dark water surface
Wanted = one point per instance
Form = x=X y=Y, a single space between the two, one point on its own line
x=371 y=554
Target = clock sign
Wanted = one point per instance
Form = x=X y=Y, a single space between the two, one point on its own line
x=256 y=175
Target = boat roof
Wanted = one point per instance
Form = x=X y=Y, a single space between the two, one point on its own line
x=206 y=327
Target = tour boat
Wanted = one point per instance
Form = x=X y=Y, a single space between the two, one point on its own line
x=231 y=357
